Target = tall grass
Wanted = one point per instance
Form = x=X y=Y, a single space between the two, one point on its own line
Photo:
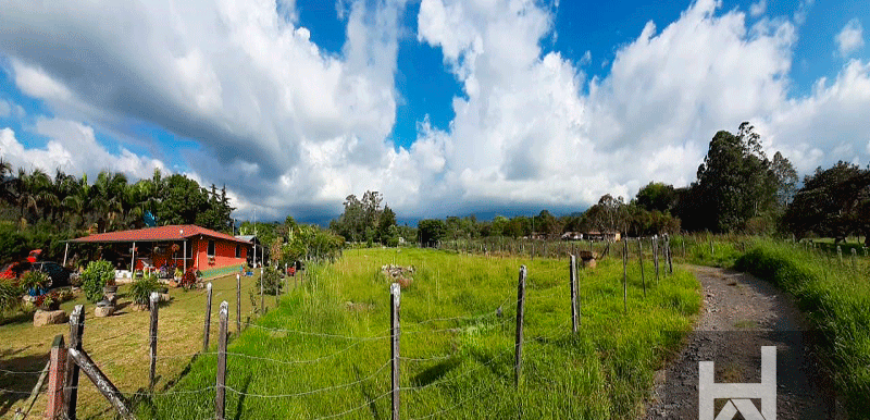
x=459 y=346
x=835 y=297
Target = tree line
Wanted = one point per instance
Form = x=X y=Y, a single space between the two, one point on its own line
x=38 y=210
x=738 y=188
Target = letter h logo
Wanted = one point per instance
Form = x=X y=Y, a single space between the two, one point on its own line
x=739 y=395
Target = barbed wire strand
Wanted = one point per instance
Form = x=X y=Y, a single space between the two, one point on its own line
x=315 y=391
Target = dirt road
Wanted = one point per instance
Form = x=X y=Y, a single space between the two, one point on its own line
x=741 y=314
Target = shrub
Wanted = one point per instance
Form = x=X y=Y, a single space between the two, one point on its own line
x=10 y=296
x=271 y=281
x=95 y=277
x=142 y=288
x=32 y=281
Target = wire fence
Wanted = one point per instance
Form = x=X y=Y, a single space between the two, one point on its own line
x=538 y=289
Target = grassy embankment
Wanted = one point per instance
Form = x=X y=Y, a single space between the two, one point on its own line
x=835 y=297
x=462 y=365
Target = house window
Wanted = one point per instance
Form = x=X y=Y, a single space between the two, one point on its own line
x=210 y=249
x=238 y=251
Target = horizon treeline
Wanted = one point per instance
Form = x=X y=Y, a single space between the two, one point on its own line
x=738 y=189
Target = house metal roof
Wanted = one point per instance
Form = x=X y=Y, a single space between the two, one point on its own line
x=158 y=234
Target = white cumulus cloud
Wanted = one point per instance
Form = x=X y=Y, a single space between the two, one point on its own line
x=850 y=38
x=73 y=148
x=291 y=128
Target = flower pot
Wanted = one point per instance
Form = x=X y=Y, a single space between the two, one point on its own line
x=110 y=289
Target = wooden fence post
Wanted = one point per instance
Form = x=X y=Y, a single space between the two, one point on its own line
x=395 y=295
x=684 y=247
x=521 y=299
x=625 y=275
x=220 y=380
x=205 y=333
x=655 y=244
x=865 y=251
x=262 y=302
x=71 y=376
x=712 y=252
x=155 y=300
x=640 y=258
x=54 y=407
x=854 y=259
x=238 y=304
x=83 y=360
x=668 y=251
x=575 y=314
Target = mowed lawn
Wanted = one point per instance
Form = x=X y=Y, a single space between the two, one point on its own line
x=118 y=344
x=325 y=351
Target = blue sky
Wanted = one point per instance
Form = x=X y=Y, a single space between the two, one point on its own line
x=445 y=106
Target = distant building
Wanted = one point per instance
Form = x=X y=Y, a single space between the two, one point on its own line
x=180 y=246
x=572 y=236
x=595 y=235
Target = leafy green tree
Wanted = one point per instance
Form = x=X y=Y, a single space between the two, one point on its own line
x=431 y=231
x=386 y=226
x=832 y=203
x=657 y=196
x=735 y=182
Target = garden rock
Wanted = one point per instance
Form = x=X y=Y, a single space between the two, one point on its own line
x=41 y=318
x=104 y=311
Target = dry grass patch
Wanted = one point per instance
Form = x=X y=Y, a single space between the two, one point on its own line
x=118 y=344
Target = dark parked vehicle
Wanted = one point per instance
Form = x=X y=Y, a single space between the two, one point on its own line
x=58 y=274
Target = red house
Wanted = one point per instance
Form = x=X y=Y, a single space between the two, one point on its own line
x=180 y=246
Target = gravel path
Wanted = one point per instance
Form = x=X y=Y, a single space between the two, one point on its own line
x=741 y=314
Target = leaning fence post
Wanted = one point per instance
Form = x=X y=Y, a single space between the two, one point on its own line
x=205 y=333
x=670 y=259
x=238 y=304
x=54 y=407
x=71 y=376
x=521 y=298
x=395 y=295
x=575 y=314
x=155 y=299
x=840 y=254
x=640 y=258
x=82 y=359
x=220 y=380
x=854 y=259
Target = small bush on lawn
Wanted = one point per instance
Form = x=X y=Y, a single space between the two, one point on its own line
x=142 y=288
x=96 y=276
x=271 y=281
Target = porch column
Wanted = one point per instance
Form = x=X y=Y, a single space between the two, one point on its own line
x=133 y=260
x=255 y=255
x=65 y=253
x=184 y=256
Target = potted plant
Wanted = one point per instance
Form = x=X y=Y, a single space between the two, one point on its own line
x=34 y=282
x=47 y=302
x=141 y=291
x=98 y=279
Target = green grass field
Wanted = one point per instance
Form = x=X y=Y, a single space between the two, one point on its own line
x=835 y=296
x=325 y=351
